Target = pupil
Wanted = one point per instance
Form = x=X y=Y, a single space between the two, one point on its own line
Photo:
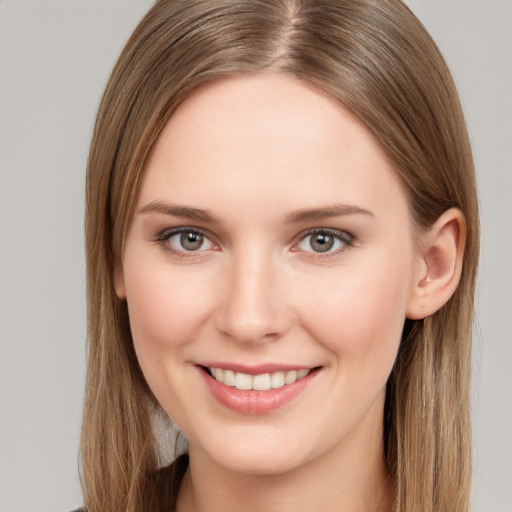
x=191 y=241
x=322 y=243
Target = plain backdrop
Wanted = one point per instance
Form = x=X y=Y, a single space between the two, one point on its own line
x=55 y=57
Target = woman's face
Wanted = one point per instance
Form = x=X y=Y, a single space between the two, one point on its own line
x=272 y=242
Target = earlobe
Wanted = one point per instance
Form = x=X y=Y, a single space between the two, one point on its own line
x=118 y=278
x=440 y=265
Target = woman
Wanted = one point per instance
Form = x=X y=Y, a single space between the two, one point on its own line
x=282 y=240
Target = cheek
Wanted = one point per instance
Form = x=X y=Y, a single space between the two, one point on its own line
x=360 y=320
x=167 y=309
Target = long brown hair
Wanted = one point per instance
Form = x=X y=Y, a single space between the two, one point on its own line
x=375 y=57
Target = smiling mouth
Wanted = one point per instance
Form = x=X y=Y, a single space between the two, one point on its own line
x=260 y=382
x=256 y=390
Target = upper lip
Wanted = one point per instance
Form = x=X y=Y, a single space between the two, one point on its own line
x=256 y=369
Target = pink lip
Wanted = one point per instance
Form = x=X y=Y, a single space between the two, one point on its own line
x=252 y=401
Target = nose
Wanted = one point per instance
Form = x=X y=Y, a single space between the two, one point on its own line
x=253 y=305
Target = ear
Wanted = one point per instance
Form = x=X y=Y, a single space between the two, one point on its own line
x=118 y=278
x=439 y=267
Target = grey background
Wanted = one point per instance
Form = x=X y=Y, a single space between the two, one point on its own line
x=55 y=57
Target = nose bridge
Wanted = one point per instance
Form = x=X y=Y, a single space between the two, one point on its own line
x=253 y=309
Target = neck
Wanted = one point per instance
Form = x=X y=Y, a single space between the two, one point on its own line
x=351 y=477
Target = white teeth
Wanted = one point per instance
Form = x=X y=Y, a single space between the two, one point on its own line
x=277 y=380
x=228 y=378
x=261 y=382
x=243 y=381
x=291 y=377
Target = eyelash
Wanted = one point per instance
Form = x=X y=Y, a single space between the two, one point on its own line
x=165 y=236
x=346 y=240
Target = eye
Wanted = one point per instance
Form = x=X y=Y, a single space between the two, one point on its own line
x=325 y=241
x=185 y=240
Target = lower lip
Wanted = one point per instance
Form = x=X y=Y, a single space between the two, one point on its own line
x=253 y=401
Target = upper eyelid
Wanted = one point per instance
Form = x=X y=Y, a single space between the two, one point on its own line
x=347 y=239
x=339 y=233
x=164 y=235
x=168 y=232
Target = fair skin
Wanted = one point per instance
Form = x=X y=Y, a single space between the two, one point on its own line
x=297 y=253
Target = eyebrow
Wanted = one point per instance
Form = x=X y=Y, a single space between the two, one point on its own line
x=335 y=210
x=295 y=217
x=180 y=211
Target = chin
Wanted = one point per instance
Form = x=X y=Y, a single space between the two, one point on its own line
x=266 y=458
x=258 y=464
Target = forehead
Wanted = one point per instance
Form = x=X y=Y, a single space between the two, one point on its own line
x=267 y=134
